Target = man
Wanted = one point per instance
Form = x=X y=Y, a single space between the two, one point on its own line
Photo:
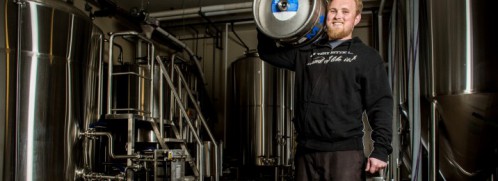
x=337 y=79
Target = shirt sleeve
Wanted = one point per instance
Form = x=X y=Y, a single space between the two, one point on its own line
x=378 y=102
x=278 y=56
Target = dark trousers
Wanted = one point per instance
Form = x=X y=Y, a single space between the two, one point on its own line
x=314 y=165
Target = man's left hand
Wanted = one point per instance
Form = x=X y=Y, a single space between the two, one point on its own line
x=375 y=165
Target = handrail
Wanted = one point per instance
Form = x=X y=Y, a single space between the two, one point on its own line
x=110 y=61
x=182 y=111
x=204 y=124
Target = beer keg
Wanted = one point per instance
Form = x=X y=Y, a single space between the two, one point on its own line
x=291 y=22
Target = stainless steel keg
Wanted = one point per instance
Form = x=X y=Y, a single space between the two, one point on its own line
x=291 y=22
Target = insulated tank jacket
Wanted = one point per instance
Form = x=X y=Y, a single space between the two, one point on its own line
x=333 y=87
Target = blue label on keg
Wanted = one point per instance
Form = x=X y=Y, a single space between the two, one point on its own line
x=316 y=29
x=284 y=9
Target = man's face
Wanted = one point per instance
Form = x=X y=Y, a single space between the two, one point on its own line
x=341 y=19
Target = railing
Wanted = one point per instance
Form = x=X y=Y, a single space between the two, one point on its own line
x=150 y=64
x=178 y=100
x=177 y=103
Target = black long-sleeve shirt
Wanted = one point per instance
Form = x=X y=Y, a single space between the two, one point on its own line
x=332 y=90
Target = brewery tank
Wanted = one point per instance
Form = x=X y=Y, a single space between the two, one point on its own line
x=50 y=61
x=464 y=88
x=260 y=128
x=291 y=22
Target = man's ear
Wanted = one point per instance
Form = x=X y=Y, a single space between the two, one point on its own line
x=357 y=19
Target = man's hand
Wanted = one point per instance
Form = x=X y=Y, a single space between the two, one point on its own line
x=375 y=165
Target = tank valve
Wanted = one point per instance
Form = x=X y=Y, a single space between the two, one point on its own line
x=283 y=5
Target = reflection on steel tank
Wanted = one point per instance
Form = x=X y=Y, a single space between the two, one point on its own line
x=260 y=129
x=52 y=63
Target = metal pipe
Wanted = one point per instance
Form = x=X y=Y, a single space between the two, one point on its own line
x=240 y=39
x=433 y=167
x=433 y=157
x=100 y=74
x=99 y=176
x=161 y=116
x=171 y=96
x=150 y=59
x=205 y=9
x=110 y=144
x=217 y=13
x=120 y=56
x=17 y=170
x=379 y=28
x=225 y=86
x=155 y=164
x=189 y=51
x=109 y=75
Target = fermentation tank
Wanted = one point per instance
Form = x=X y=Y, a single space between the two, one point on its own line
x=49 y=89
x=465 y=88
x=446 y=89
x=260 y=128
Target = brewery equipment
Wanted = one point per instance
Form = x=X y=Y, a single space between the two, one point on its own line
x=260 y=128
x=52 y=62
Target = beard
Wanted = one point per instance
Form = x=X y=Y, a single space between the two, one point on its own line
x=338 y=33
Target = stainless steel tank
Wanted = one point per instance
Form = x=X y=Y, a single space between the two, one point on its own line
x=50 y=84
x=8 y=38
x=292 y=22
x=262 y=112
x=465 y=88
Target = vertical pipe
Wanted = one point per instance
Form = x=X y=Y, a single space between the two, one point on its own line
x=155 y=166
x=433 y=166
x=225 y=89
x=183 y=132
x=276 y=173
x=380 y=28
x=130 y=144
x=150 y=58
x=432 y=124
x=201 y=160
x=171 y=101
x=225 y=86
x=213 y=90
x=18 y=88
x=161 y=106
x=109 y=74
x=468 y=47
x=100 y=74
x=394 y=167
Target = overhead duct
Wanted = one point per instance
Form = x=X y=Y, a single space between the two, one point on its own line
x=206 y=10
